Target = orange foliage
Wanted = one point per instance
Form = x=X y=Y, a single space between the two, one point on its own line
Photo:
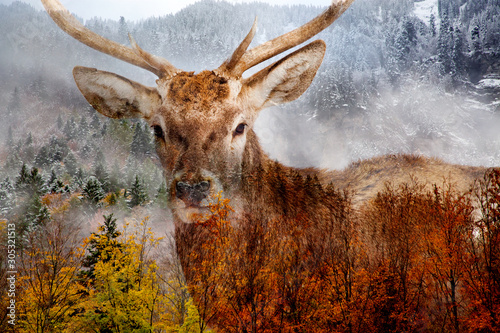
x=409 y=260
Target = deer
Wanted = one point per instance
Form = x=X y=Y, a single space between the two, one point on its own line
x=203 y=128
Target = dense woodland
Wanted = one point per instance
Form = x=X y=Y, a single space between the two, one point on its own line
x=93 y=231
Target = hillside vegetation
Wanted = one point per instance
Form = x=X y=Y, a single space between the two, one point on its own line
x=88 y=203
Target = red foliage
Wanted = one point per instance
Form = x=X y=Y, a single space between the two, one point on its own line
x=410 y=260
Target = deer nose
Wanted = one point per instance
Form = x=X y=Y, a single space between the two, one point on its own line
x=192 y=194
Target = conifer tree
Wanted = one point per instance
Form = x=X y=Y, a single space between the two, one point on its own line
x=93 y=190
x=106 y=238
x=141 y=141
x=138 y=194
x=70 y=129
x=37 y=213
x=83 y=128
x=95 y=123
x=10 y=138
x=161 y=197
x=99 y=171
x=70 y=163
x=22 y=178
x=7 y=197
x=30 y=183
x=59 y=122
x=432 y=25
x=42 y=159
x=80 y=178
x=445 y=44
x=52 y=178
x=29 y=151
x=115 y=178
x=14 y=105
x=55 y=185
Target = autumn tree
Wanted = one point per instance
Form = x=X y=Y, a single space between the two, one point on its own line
x=445 y=246
x=483 y=269
x=125 y=293
x=393 y=224
x=179 y=312
x=49 y=264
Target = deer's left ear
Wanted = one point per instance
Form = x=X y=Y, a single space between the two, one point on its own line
x=116 y=96
x=286 y=79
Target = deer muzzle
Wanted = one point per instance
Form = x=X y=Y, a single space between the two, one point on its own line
x=192 y=194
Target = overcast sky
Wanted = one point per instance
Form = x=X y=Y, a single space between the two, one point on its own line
x=139 y=9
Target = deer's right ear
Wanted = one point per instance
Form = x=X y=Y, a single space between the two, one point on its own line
x=286 y=79
x=115 y=96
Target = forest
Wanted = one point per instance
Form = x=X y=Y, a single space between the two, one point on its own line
x=83 y=199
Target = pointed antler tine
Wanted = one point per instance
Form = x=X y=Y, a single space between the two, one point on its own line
x=160 y=64
x=287 y=41
x=231 y=62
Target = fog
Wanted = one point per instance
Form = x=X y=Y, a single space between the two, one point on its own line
x=419 y=120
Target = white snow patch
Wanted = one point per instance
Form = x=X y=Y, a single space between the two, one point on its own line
x=489 y=83
x=424 y=9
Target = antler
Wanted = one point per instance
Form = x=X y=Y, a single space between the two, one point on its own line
x=135 y=56
x=242 y=60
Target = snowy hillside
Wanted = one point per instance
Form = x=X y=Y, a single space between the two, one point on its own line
x=424 y=9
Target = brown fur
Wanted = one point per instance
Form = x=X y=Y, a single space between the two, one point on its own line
x=368 y=177
x=189 y=91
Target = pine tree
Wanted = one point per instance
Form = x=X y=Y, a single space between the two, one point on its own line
x=405 y=42
x=7 y=197
x=432 y=25
x=42 y=159
x=138 y=194
x=475 y=36
x=52 y=178
x=55 y=185
x=80 y=178
x=106 y=239
x=23 y=176
x=70 y=129
x=59 y=123
x=14 y=105
x=10 y=138
x=122 y=30
x=37 y=213
x=95 y=123
x=28 y=151
x=458 y=58
x=445 y=44
x=100 y=172
x=30 y=183
x=93 y=191
x=161 y=197
x=115 y=178
x=83 y=128
x=56 y=150
x=70 y=163
x=141 y=141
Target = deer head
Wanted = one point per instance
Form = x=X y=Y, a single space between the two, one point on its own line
x=202 y=122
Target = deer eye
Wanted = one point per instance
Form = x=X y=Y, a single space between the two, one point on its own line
x=239 y=129
x=158 y=132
